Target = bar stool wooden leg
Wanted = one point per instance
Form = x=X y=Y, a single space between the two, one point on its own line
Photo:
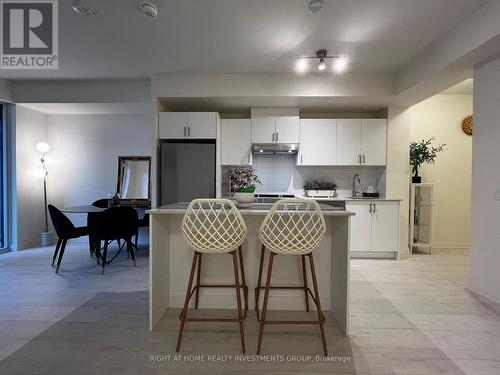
x=266 y=297
x=321 y=317
x=304 y=276
x=238 y=300
x=186 y=301
x=259 y=280
x=243 y=281
x=198 y=274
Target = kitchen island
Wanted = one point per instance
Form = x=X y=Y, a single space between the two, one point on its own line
x=170 y=261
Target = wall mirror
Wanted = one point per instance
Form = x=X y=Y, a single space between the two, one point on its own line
x=134 y=180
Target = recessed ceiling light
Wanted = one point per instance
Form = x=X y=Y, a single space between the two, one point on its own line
x=315 y=6
x=82 y=8
x=148 y=9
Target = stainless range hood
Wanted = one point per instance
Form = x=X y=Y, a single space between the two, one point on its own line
x=275 y=149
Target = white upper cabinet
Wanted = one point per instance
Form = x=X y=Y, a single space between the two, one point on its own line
x=374 y=142
x=318 y=142
x=281 y=129
x=178 y=125
x=263 y=130
x=349 y=142
x=287 y=129
x=172 y=125
x=361 y=142
x=202 y=124
x=236 y=145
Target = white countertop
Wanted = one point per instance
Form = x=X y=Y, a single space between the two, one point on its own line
x=255 y=210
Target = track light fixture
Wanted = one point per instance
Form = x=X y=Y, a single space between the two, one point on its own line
x=339 y=62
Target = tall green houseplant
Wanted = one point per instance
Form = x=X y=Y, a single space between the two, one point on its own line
x=423 y=152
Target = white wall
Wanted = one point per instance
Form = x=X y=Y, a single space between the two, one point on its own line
x=398 y=170
x=484 y=276
x=85 y=149
x=27 y=207
x=441 y=116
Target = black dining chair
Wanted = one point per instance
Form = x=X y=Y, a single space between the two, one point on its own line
x=141 y=223
x=114 y=223
x=100 y=203
x=65 y=231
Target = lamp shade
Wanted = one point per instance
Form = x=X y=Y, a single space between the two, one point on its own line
x=42 y=147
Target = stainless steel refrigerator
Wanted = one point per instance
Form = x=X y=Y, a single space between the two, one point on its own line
x=187 y=170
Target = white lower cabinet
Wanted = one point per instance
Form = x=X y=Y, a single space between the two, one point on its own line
x=374 y=228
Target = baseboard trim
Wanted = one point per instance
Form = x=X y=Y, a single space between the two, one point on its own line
x=25 y=245
x=374 y=255
x=450 y=245
x=486 y=295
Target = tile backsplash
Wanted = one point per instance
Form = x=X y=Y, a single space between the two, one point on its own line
x=280 y=174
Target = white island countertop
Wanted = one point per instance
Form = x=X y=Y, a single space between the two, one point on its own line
x=255 y=209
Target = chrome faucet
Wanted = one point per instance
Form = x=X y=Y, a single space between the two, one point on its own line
x=354 y=191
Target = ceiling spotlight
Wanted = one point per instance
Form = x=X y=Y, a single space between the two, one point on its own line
x=340 y=64
x=301 y=65
x=82 y=8
x=148 y=9
x=315 y=6
x=321 y=65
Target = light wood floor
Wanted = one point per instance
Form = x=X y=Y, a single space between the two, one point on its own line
x=411 y=316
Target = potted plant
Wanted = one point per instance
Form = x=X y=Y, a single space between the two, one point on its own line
x=243 y=182
x=322 y=189
x=423 y=152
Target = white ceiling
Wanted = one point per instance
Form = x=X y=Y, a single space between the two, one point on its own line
x=89 y=108
x=463 y=88
x=245 y=36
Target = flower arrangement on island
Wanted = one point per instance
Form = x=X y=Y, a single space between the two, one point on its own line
x=242 y=179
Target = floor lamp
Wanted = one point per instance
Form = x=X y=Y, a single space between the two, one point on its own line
x=43 y=173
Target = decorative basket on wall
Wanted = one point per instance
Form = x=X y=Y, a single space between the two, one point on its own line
x=467 y=125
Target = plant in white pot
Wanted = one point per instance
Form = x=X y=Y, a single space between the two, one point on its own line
x=242 y=182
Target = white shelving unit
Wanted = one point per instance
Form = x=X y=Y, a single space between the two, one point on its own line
x=421 y=200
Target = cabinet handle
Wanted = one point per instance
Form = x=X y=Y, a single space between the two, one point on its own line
x=359 y=158
x=370 y=207
x=189 y=131
x=364 y=162
x=273 y=138
x=184 y=131
x=374 y=207
x=277 y=136
x=248 y=158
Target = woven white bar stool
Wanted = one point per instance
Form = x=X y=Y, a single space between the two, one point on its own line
x=292 y=227
x=214 y=226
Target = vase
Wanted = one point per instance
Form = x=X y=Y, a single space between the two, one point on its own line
x=416 y=179
x=244 y=199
